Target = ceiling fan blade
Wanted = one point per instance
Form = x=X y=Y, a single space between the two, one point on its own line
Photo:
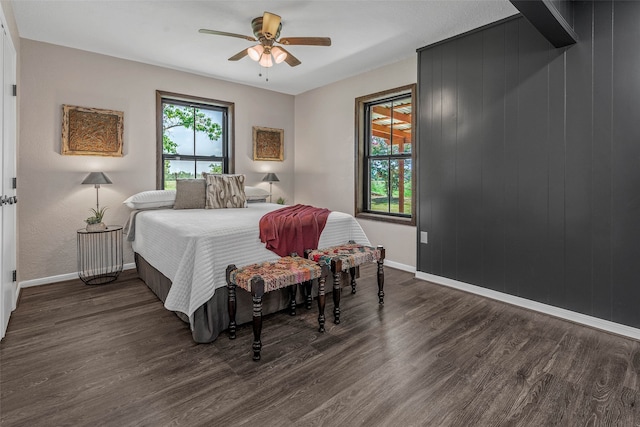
x=290 y=59
x=270 y=25
x=306 y=41
x=222 y=33
x=239 y=55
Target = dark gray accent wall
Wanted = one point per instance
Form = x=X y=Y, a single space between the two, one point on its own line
x=529 y=161
x=549 y=20
x=564 y=8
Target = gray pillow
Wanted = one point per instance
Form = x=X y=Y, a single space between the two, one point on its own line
x=190 y=194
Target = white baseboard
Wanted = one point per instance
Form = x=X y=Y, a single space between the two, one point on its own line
x=60 y=278
x=572 y=316
x=397 y=265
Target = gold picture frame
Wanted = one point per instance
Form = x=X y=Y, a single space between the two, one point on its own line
x=91 y=131
x=268 y=144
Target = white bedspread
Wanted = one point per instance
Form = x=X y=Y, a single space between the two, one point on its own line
x=193 y=247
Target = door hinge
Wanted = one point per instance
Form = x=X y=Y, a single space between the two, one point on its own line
x=14 y=275
x=14 y=182
x=15 y=90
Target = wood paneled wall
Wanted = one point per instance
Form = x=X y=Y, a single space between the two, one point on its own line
x=564 y=8
x=529 y=161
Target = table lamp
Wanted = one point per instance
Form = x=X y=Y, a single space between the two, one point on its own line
x=271 y=178
x=97 y=178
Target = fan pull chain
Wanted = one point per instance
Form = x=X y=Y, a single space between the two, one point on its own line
x=267 y=73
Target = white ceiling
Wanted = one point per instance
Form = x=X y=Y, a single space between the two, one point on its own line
x=365 y=34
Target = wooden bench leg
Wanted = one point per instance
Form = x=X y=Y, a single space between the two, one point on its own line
x=257 y=291
x=352 y=273
x=306 y=286
x=321 y=303
x=231 y=302
x=380 y=282
x=381 y=276
x=336 y=269
x=336 y=297
x=292 y=300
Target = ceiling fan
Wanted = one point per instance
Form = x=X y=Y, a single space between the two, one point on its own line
x=266 y=29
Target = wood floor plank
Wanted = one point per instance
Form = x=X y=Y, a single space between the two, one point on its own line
x=112 y=355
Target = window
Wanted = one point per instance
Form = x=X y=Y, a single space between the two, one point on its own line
x=194 y=136
x=385 y=156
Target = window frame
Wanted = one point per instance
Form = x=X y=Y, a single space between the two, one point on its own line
x=362 y=179
x=228 y=127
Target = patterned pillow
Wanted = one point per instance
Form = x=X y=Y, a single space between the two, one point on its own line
x=225 y=191
x=190 y=194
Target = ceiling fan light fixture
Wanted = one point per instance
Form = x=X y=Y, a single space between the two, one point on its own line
x=270 y=25
x=266 y=60
x=255 y=52
x=279 y=55
x=266 y=29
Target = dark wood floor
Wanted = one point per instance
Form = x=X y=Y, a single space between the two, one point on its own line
x=111 y=355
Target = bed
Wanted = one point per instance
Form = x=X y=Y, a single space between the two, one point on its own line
x=182 y=255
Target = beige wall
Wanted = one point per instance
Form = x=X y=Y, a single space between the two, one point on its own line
x=325 y=148
x=7 y=10
x=53 y=203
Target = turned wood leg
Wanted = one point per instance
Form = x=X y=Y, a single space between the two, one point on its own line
x=307 y=296
x=380 y=282
x=231 y=302
x=292 y=301
x=336 y=268
x=257 y=290
x=306 y=286
x=352 y=273
x=321 y=303
x=336 y=298
x=381 y=276
x=303 y=291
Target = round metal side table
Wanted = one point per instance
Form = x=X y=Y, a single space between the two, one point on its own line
x=100 y=255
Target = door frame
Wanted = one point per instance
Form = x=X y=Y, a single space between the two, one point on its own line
x=8 y=219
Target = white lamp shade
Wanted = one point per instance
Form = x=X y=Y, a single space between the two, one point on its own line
x=278 y=54
x=266 y=60
x=255 y=52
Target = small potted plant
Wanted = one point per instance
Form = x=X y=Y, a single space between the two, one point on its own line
x=280 y=201
x=94 y=223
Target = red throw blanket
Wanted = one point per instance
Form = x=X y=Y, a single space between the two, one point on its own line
x=293 y=229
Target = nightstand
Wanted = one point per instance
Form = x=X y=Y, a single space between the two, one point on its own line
x=100 y=255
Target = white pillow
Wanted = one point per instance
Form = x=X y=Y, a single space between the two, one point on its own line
x=255 y=193
x=152 y=199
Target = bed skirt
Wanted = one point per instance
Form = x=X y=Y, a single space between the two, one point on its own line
x=212 y=318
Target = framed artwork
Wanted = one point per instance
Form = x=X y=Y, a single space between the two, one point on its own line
x=268 y=144
x=91 y=131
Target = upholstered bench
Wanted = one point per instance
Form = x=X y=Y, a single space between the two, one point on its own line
x=348 y=257
x=270 y=276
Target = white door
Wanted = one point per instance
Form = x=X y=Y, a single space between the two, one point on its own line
x=9 y=195
x=5 y=310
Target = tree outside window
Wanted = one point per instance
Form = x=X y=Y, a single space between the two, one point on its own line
x=385 y=160
x=194 y=139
